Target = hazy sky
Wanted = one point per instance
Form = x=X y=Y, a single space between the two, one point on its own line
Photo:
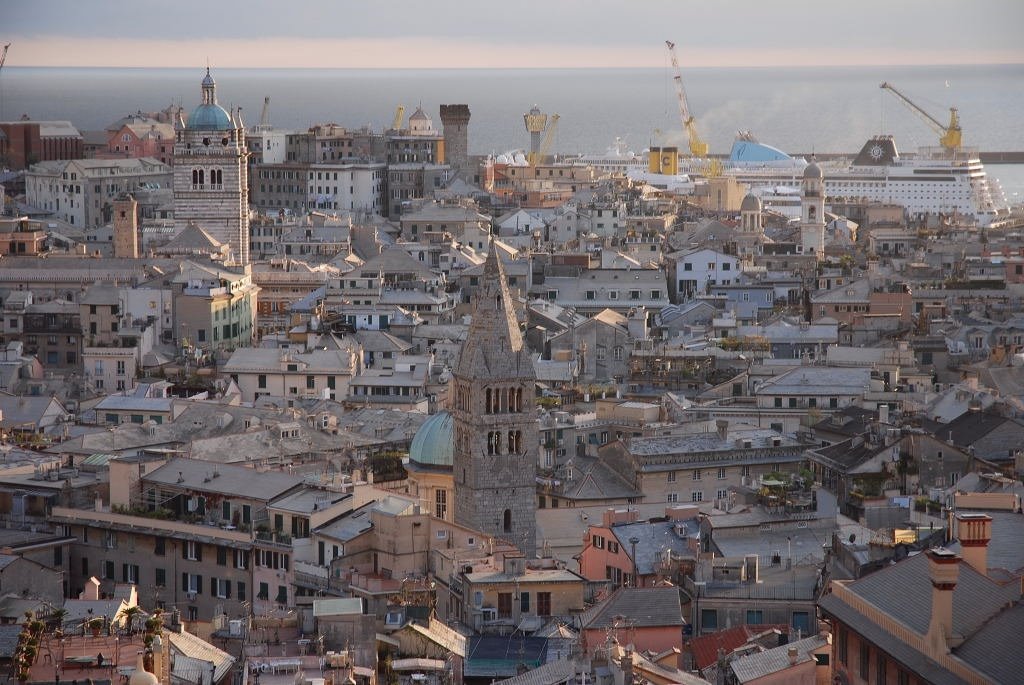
x=517 y=33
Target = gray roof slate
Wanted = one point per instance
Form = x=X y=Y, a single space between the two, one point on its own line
x=643 y=607
x=774 y=660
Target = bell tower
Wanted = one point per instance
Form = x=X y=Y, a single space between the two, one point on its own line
x=211 y=185
x=812 y=211
x=495 y=427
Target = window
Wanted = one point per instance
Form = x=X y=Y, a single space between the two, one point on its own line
x=880 y=666
x=160 y=578
x=721 y=473
x=191 y=582
x=543 y=603
x=755 y=617
x=220 y=588
x=865 y=660
x=696 y=474
x=617 y=353
x=261 y=381
x=264 y=592
x=598 y=542
x=282 y=595
x=524 y=602
x=441 y=503
x=130 y=573
x=841 y=646
x=778 y=401
x=192 y=550
x=687 y=266
x=671 y=476
x=672 y=497
x=222 y=556
x=722 y=493
x=504 y=605
x=108 y=570
x=159 y=547
x=697 y=496
x=708 y=620
x=240 y=591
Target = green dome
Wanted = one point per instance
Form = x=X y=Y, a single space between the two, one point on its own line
x=434 y=442
x=209 y=118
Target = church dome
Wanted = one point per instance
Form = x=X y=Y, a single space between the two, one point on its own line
x=751 y=203
x=434 y=442
x=812 y=170
x=209 y=118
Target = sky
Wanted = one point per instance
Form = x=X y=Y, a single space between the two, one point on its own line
x=516 y=34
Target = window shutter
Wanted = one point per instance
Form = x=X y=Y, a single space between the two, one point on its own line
x=213 y=587
x=184 y=582
x=124 y=572
x=241 y=591
x=222 y=556
x=199 y=551
x=227 y=589
x=199 y=585
x=184 y=549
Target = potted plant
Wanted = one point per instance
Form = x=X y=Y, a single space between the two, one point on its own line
x=95 y=625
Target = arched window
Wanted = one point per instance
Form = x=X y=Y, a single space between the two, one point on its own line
x=487 y=401
x=490 y=443
x=506 y=523
x=810 y=213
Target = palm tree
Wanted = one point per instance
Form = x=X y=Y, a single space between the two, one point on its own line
x=131 y=615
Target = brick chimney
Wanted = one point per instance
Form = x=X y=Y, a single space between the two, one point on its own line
x=944 y=571
x=974 y=532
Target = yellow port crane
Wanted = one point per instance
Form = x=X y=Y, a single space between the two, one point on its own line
x=399 y=115
x=950 y=136
x=698 y=148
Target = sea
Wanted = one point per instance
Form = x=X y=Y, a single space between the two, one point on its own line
x=800 y=110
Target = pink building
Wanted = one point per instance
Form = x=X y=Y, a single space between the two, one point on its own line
x=138 y=136
x=664 y=547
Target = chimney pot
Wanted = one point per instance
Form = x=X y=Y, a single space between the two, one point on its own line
x=792 y=653
x=974 y=532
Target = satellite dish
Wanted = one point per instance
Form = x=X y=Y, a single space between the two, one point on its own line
x=853 y=538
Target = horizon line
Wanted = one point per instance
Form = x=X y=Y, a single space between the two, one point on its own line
x=530 y=68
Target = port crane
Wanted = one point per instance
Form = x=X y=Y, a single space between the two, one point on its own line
x=949 y=135
x=698 y=148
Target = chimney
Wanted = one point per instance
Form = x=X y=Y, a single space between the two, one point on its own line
x=791 y=653
x=974 y=532
x=627 y=666
x=883 y=413
x=722 y=426
x=944 y=571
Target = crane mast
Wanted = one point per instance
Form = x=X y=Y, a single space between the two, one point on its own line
x=950 y=136
x=698 y=148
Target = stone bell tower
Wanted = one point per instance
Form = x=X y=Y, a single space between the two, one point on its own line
x=495 y=426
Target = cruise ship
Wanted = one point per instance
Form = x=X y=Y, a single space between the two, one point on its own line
x=933 y=181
